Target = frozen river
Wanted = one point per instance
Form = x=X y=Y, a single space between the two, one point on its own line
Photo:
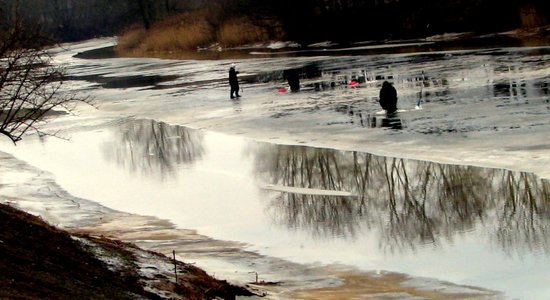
x=451 y=188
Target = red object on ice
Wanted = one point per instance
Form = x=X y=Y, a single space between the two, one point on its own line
x=282 y=90
x=353 y=83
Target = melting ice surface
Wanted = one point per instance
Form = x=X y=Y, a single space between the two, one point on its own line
x=468 y=225
x=480 y=226
x=475 y=106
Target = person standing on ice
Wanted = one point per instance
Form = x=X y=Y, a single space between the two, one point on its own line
x=293 y=77
x=388 y=97
x=233 y=81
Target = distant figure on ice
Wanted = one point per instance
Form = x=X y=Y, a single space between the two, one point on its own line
x=388 y=97
x=233 y=81
x=293 y=78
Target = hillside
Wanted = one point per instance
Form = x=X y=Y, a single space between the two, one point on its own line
x=39 y=261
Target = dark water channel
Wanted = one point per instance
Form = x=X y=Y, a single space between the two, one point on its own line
x=468 y=225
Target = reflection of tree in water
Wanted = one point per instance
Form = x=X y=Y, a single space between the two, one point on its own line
x=410 y=203
x=306 y=167
x=324 y=215
x=523 y=214
x=425 y=202
x=152 y=147
x=309 y=168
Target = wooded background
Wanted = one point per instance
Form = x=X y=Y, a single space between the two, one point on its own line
x=301 y=20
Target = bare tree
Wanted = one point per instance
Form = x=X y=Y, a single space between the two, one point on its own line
x=30 y=85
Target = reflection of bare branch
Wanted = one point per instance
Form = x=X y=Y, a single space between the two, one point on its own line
x=305 y=167
x=315 y=213
x=522 y=220
x=150 y=146
x=409 y=203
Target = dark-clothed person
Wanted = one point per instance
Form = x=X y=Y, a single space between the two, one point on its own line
x=293 y=77
x=388 y=97
x=233 y=81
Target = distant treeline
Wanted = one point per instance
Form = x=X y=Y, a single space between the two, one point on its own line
x=71 y=20
x=347 y=20
x=300 y=20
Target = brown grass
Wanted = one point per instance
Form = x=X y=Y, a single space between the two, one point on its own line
x=39 y=261
x=180 y=32
x=131 y=38
x=188 y=31
x=178 y=38
x=530 y=17
x=240 y=31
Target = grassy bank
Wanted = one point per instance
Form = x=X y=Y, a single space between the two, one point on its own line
x=196 y=30
x=38 y=261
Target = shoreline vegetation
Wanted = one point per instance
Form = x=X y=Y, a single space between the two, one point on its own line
x=193 y=31
x=42 y=261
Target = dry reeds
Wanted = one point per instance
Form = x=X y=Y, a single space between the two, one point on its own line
x=189 y=31
x=178 y=38
x=241 y=31
x=180 y=32
x=131 y=39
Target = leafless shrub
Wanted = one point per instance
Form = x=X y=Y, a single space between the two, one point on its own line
x=30 y=85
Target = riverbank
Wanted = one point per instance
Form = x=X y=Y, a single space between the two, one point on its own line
x=36 y=191
x=41 y=261
x=32 y=190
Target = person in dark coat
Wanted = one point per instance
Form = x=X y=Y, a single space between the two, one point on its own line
x=388 y=97
x=293 y=77
x=233 y=81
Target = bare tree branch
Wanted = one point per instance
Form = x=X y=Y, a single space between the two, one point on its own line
x=30 y=85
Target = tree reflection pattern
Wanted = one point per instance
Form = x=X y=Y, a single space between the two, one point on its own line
x=410 y=203
x=153 y=147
